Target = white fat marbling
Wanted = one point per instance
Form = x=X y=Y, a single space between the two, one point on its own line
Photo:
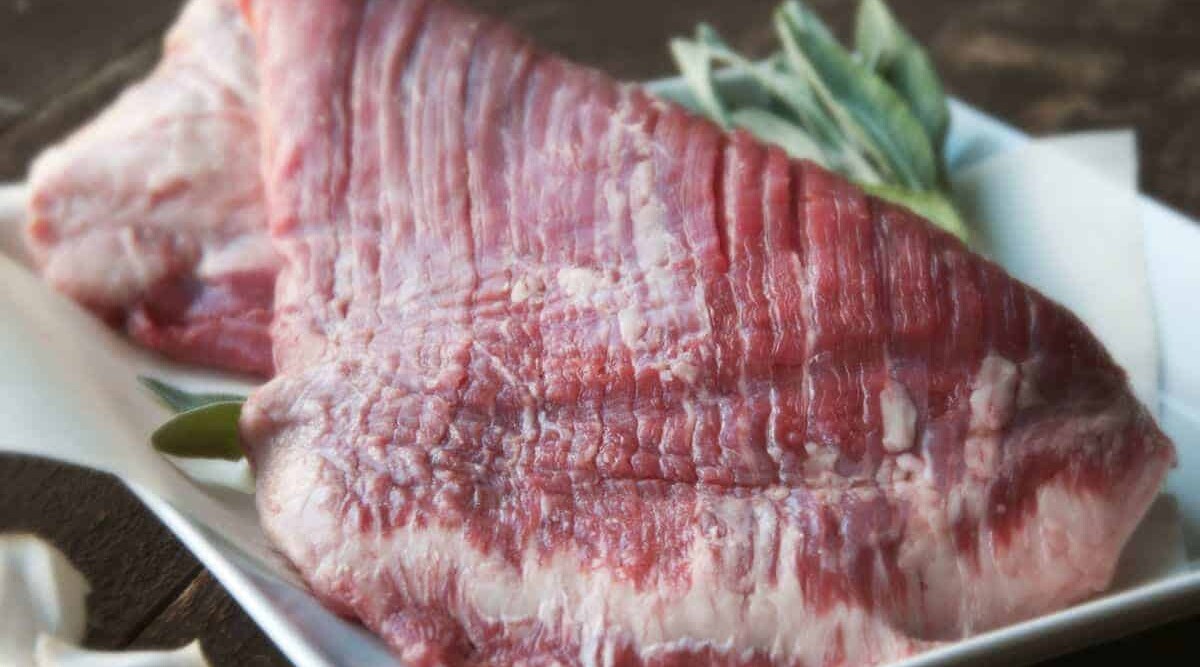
x=981 y=454
x=581 y=283
x=684 y=370
x=250 y=252
x=632 y=325
x=899 y=417
x=650 y=235
x=993 y=395
x=526 y=287
x=605 y=612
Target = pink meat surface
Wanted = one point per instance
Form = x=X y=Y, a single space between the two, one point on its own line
x=152 y=215
x=568 y=376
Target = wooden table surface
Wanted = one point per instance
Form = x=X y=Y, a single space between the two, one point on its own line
x=1045 y=65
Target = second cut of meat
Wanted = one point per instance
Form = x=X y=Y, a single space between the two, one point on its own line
x=152 y=214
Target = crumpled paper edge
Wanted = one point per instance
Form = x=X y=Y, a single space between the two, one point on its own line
x=43 y=614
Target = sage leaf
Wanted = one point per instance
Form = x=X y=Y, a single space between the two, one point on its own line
x=774 y=129
x=804 y=112
x=793 y=92
x=931 y=205
x=915 y=79
x=180 y=400
x=878 y=116
x=695 y=63
x=204 y=425
x=863 y=102
x=878 y=37
x=887 y=48
x=855 y=136
x=209 y=432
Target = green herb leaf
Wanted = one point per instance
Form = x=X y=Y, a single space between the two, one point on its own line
x=207 y=432
x=695 y=63
x=205 y=424
x=878 y=117
x=867 y=107
x=886 y=47
x=915 y=79
x=791 y=91
x=774 y=129
x=797 y=98
x=931 y=205
x=180 y=400
x=878 y=37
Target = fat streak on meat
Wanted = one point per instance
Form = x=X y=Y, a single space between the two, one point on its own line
x=567 y=376
x=152 y=215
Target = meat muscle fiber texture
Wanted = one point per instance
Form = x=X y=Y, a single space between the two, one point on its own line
x=152 y=214
x=568 y=376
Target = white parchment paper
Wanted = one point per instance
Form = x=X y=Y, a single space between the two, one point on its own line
x=54 y=652
x=1062 y=214
x=40 y=594
x=42 y=605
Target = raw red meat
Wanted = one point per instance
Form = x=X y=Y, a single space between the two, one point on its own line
x=567 y=376
x=152 y=214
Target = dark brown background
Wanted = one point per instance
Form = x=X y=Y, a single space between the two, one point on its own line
x=1045 y=65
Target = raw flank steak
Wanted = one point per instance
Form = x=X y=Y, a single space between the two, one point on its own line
x=152 y=214
x=568 y=376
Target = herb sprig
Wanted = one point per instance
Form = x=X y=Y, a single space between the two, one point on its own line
x=877 y=115
x=204 y=425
